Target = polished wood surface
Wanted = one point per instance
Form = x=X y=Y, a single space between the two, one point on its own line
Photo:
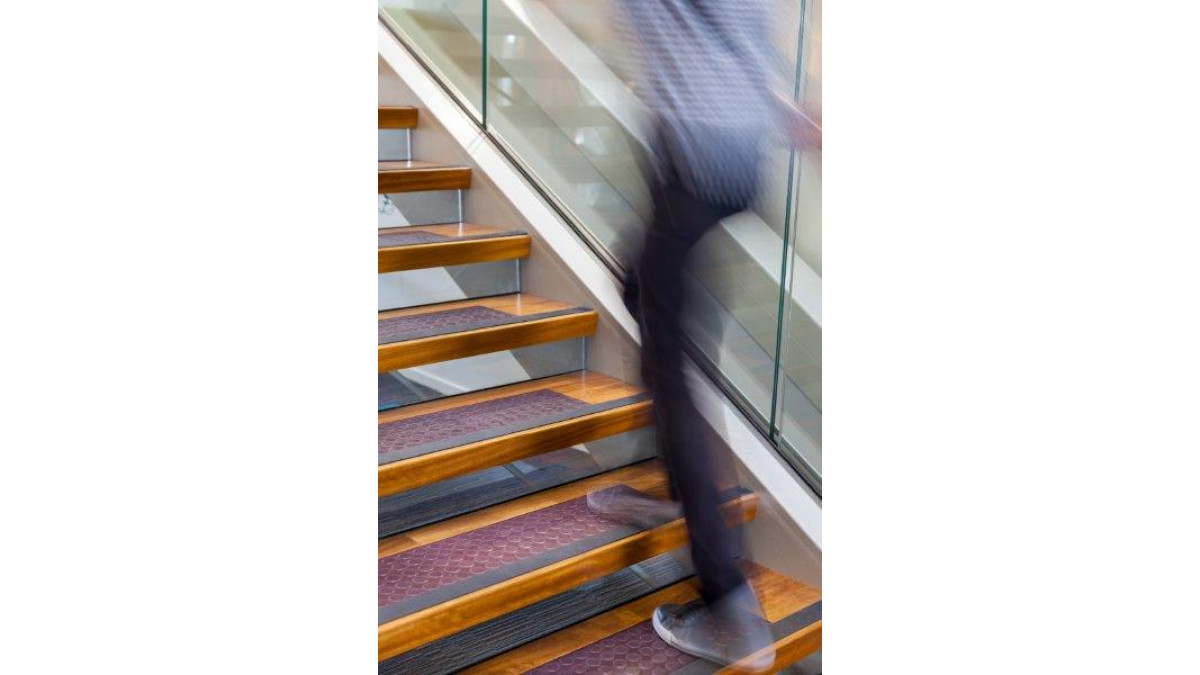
x=590 y=387
x=646 y=476
x=398 y=117
x=396 y=355
x=411 y=473
x=412 y=176
x=788 y=650
x=420 y=628
x=459 y=250
x=584 y=385
x=780 y=596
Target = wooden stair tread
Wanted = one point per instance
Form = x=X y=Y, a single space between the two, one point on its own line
x=646 y=476
x=397 y=117
x=782 y=599
x=446 y=577
x=425 y=246
x=414 y=176
x=428 y=442
x=420 y=335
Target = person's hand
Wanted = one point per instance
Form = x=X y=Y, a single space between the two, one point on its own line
x=808 y=136
x=802 y=129
x=805 y=132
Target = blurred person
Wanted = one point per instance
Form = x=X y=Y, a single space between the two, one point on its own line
x=706 y=66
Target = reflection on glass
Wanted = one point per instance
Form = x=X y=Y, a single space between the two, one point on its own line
x=564 y=125
x=447 y=36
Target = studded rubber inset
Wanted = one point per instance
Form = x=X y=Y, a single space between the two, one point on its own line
x=409 y=238
x=401 y=328
x=420 y=570
x=637 y=650
x=446 y=424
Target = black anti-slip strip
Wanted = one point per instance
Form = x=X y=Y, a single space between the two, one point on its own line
x=794 y=622
x=456 y=496
x=491 y=321
x=496 y=432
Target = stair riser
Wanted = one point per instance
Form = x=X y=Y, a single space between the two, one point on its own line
x=456 y=496
x=433 y=207
x=428 y=469
x=413 y=288
x=475 y=373
x=395 y=144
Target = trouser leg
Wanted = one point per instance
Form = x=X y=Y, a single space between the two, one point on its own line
x=680 y=220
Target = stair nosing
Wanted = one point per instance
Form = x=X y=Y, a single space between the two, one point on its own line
x=428 y=176
x=499 y=245
x=403 y=124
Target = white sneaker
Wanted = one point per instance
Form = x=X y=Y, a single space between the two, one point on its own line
x=730 y=632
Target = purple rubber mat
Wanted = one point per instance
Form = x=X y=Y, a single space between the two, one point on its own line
x=409 y=238
x=637 y=650
x=445 y=424
x=420 y=570
x=406 y=327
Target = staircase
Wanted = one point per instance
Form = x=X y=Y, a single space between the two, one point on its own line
x=489 y=559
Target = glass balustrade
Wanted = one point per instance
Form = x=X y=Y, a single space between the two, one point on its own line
x=552 y=84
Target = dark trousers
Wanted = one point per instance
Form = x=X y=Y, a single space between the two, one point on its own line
x=694 y=462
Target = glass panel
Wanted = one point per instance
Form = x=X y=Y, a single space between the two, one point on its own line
x=560 y=98
x=798 y=416
x=447 y=35
x=566 y=116
x=741 y=267
x=808 y=203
